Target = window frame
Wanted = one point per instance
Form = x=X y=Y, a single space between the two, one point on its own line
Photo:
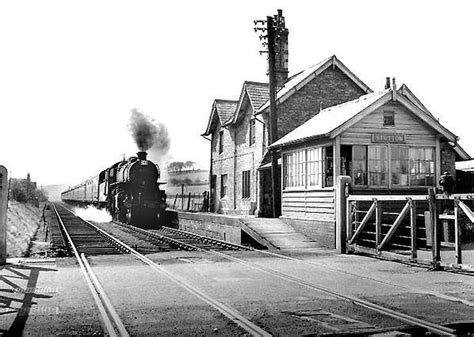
x=252 y=131
x=221 y=141
x=223 y=191
x=387 y=114
x=246 y=184
x=304 y=169
x=390 y=184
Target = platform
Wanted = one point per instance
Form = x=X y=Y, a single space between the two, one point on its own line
x=270 y=233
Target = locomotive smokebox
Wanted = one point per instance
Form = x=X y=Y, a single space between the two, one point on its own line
x=141 y=155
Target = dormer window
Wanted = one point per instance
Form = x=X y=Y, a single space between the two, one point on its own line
x=388 y=118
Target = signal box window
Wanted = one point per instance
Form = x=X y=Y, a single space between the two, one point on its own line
x=221 y=141
x=223 y=185
x=388 y=118
x=245 y=184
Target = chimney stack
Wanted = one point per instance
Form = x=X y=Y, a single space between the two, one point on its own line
x=141 y=155
x=387 y=83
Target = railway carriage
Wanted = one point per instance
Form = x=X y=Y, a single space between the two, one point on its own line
x=129 y=190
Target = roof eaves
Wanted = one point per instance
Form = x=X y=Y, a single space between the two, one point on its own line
x=427 y=119
x=461 y=152
x=297 y=86
x=239 y=104
x=209 y=122
x=351 y=75
x=297 y=141
x=405 y=90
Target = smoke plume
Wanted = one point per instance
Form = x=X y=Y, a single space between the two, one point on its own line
x=149 y=134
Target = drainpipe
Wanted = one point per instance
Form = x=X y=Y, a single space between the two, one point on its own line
x=235 y=170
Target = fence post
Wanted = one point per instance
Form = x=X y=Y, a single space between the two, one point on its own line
x=457 y=232
x=189 y=201
x=182 y=196
x=414 y=253
x=378 y=223
x=435 y=239
x=175 y=199
x=342 y=184
x=3 y=214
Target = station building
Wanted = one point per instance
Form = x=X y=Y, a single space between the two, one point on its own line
x=240 y=172
x=386 y=141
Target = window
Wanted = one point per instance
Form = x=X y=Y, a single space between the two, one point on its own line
x=394 y=166
x=245 y=184
x=314 y=167
x=221 y=141
x=399 y=166
x=359 y=165
x=388 y=118
x=422 y=166
x=252 y=132
x=303 y=168
x=377 y=165
x=294 y=169
x=223 y=185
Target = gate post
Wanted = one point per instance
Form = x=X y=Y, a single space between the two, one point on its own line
x=341 y=194
x=435 y=239
x=3 y=214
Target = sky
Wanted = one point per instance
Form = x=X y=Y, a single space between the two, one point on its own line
x=72 y=71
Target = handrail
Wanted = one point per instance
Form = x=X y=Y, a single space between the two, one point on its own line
x=387 y=197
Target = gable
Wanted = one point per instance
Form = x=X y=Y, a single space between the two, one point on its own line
x=332 y=87
x=412 y=129
x=300 y=80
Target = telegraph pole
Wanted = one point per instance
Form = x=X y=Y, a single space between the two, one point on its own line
x=273 y=29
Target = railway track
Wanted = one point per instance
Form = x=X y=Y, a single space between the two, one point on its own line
x=179 y=235
x=111 y=320
x=182 y=240
x=85 y=238
x=190 y=241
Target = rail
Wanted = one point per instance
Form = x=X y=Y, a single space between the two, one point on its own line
x=110 y=319
x=227 y=311
x=432 y=327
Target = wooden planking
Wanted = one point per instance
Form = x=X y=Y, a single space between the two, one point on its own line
x=299 y=215
x=307 y=204
x=416 y=131
x=310 y=197
x=309 y=193
x=315 y=204
x=365 y=138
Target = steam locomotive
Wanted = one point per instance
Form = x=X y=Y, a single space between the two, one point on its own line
x=129 y=190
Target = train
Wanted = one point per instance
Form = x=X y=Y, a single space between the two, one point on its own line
x=129 y=190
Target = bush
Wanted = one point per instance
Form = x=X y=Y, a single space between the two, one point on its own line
x=23 y=190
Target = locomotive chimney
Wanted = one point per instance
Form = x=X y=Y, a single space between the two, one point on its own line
x=141 y=155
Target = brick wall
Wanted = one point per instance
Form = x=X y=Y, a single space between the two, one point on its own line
x=331 y=87
x=219 y=227
x=223 y=163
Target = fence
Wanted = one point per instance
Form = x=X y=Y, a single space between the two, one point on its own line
x=433 y=227
x=194 y=198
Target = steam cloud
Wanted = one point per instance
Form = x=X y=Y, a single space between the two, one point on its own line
x=148 y=134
